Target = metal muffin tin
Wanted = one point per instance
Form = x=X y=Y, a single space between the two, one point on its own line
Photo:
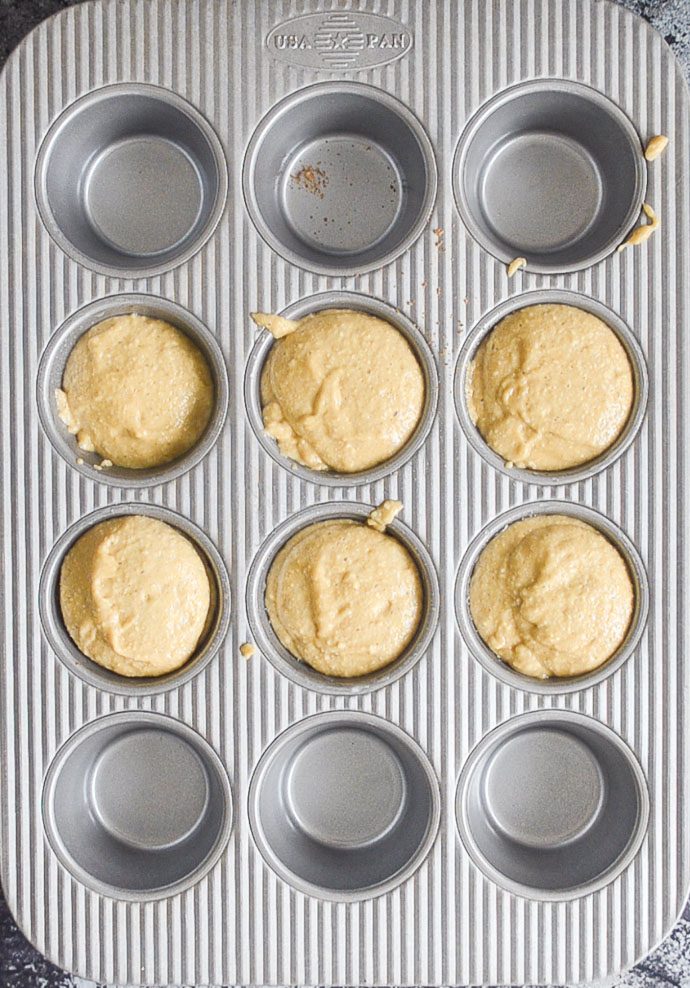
x=250 y=822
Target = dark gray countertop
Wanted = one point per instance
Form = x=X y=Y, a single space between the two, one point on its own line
x=20 y=965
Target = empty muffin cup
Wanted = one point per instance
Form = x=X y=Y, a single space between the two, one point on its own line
x=638 y=367
x=137 y=806
x=91 y=672
x=550 y=170
x=555 y=684
x=300 y=672
x=51 y=373
x=99 y=188
x=552 y=805
x=339 y=178
x=358 y=303
x=344 y=806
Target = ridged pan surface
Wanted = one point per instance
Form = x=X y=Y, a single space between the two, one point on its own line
x=243 y=923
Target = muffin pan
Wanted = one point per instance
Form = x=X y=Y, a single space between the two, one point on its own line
x=532 y=835
x=130 y=180
x=444 y=821
x=340 y=178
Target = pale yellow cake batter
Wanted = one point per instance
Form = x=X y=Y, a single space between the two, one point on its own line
x=341 y=390
x=135 y=596
x=137 y=391
x=551 y=596
x=344 y=597
x=550 y=388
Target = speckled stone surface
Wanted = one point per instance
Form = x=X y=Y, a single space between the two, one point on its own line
x=20 y=965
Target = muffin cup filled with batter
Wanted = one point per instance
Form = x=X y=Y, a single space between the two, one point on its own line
x=551 y=597
x=551 y=387
x=372 y=454
x=281 y=565
x=159 y=441
x=88 y=599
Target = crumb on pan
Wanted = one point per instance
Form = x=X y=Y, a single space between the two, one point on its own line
x=381 y=517
x=277 y=326
x=642 y=233
x=655 y=146
x=515 y=265
x=247 y=650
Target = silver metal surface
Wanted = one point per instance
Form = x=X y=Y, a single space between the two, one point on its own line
x=344 y=806
x=137 y=806
x=131 y=180
x=535 y=835
x=340 y=178
x=551 y=171
x=429 y=69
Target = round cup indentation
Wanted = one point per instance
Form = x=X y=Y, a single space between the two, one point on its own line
x=344 y=806
x=550 y=170
x=638 y=366
x=539 y=761
x=359 y=303
x=356 y=178
x=556 y=684
x=104 y=679
x=52 y=368
x=137 y=805
x=332 y=813
x=552 y=805
x=299 y=672
x=99 y=188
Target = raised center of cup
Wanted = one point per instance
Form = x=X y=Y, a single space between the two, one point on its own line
x=541 y=191
x=143 y=195
x=543 y=788
x=149 y=789
x=345 y=787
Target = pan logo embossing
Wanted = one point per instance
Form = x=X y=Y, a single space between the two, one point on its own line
x=339 y=41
